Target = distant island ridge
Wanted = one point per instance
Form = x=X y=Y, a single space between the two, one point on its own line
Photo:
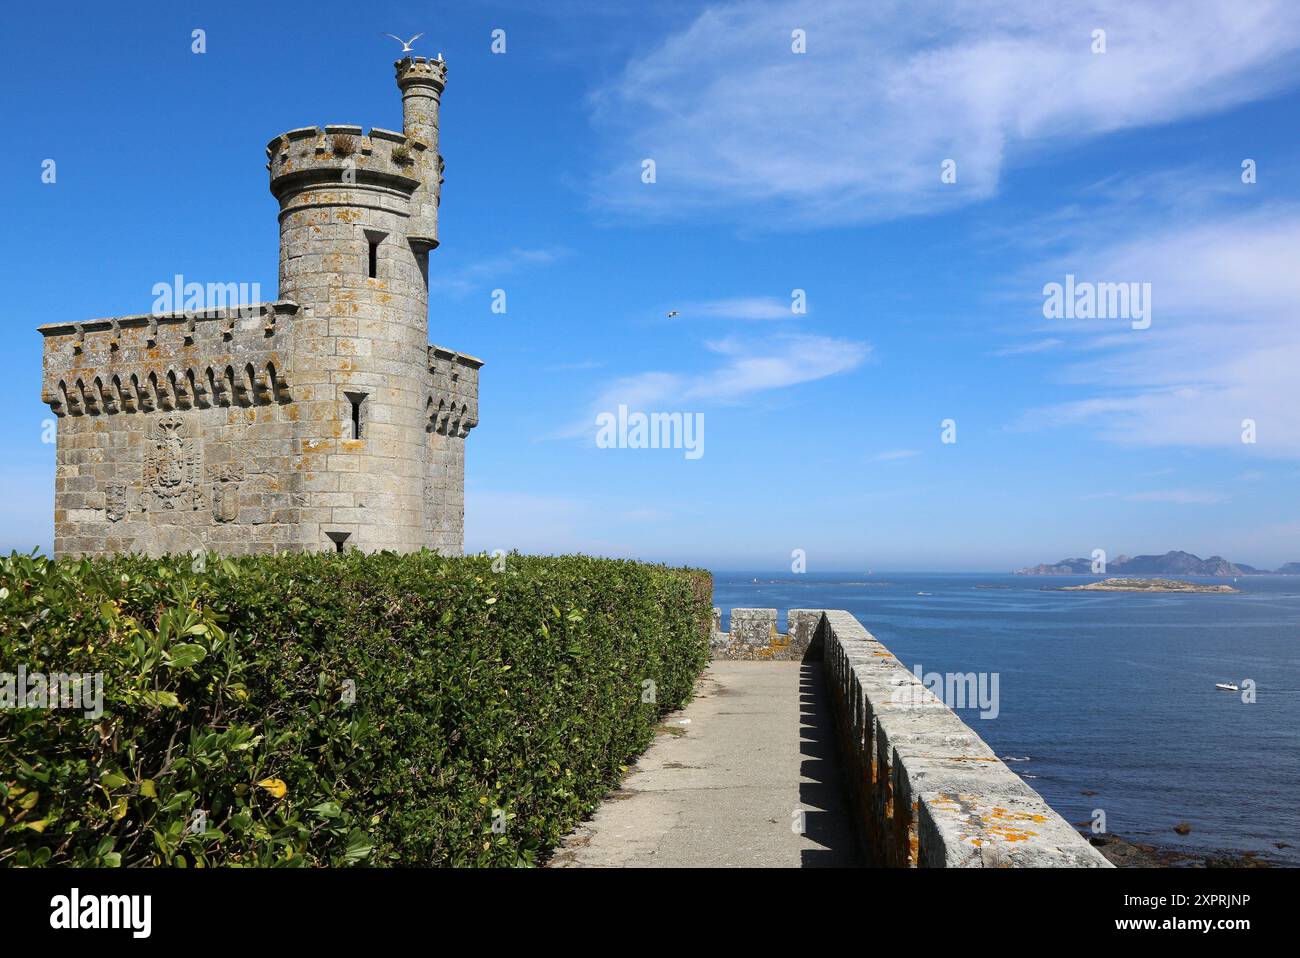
x=1171 y=563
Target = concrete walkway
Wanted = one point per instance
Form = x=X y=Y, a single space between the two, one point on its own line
x=726 y=779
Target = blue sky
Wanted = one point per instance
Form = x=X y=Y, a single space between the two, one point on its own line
x=775 y=171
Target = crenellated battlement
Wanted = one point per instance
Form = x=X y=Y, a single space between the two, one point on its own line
x=453 y=401
x=753 y=635
x=421 y=70
x=140 y=363
x=343 y=155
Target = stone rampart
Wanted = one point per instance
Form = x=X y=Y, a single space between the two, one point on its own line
x=925 y=790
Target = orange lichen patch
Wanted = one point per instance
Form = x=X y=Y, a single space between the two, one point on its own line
x=352 y=445
x=310 y=445
x=1018 y=816
x=944 y=802
x=348 y=216
x=1010 y=835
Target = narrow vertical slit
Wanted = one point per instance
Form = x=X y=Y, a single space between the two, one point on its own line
x=356 y=399
x=374 y=258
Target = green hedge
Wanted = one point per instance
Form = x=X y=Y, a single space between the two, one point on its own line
x=332 y=710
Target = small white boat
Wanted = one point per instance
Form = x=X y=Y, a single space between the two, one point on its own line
x=1226 y=686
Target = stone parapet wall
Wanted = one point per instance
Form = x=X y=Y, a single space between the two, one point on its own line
x=926 y=790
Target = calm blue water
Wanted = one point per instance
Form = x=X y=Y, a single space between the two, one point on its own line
x=1105 y=693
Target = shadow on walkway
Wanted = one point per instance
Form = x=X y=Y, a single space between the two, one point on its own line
x=827 y=816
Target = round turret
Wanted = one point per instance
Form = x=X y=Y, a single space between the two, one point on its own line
x=357 y=221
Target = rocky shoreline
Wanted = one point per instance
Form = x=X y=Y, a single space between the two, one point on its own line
x=1127 y=853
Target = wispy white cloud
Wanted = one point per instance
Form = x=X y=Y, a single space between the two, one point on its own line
x=750 y=367
x=492 y=270
x=647 y=515
x=1223 y=346
x=761 y=308
x=1182 y=497
x=746 y=368
x=894 y=455
x=856 y=128
x=1177 y=496
x=1036 y=346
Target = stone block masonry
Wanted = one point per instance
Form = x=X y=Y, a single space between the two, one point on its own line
x=754 y=635
x=924 y=788
x=321 y=421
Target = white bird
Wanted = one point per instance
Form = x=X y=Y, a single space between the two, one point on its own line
x=406 y=44
x=672 y=313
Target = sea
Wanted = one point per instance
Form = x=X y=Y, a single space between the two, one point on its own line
x=1106 y=701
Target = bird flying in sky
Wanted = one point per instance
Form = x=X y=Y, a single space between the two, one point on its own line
x=406 y=44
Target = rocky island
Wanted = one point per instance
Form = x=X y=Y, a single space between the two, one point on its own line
x=1147 y=585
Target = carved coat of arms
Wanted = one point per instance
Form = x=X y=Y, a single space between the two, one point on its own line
x=171 y=466
x=225 y=490
x=115 y=501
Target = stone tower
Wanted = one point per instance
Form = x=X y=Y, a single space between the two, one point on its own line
x=323 y=420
